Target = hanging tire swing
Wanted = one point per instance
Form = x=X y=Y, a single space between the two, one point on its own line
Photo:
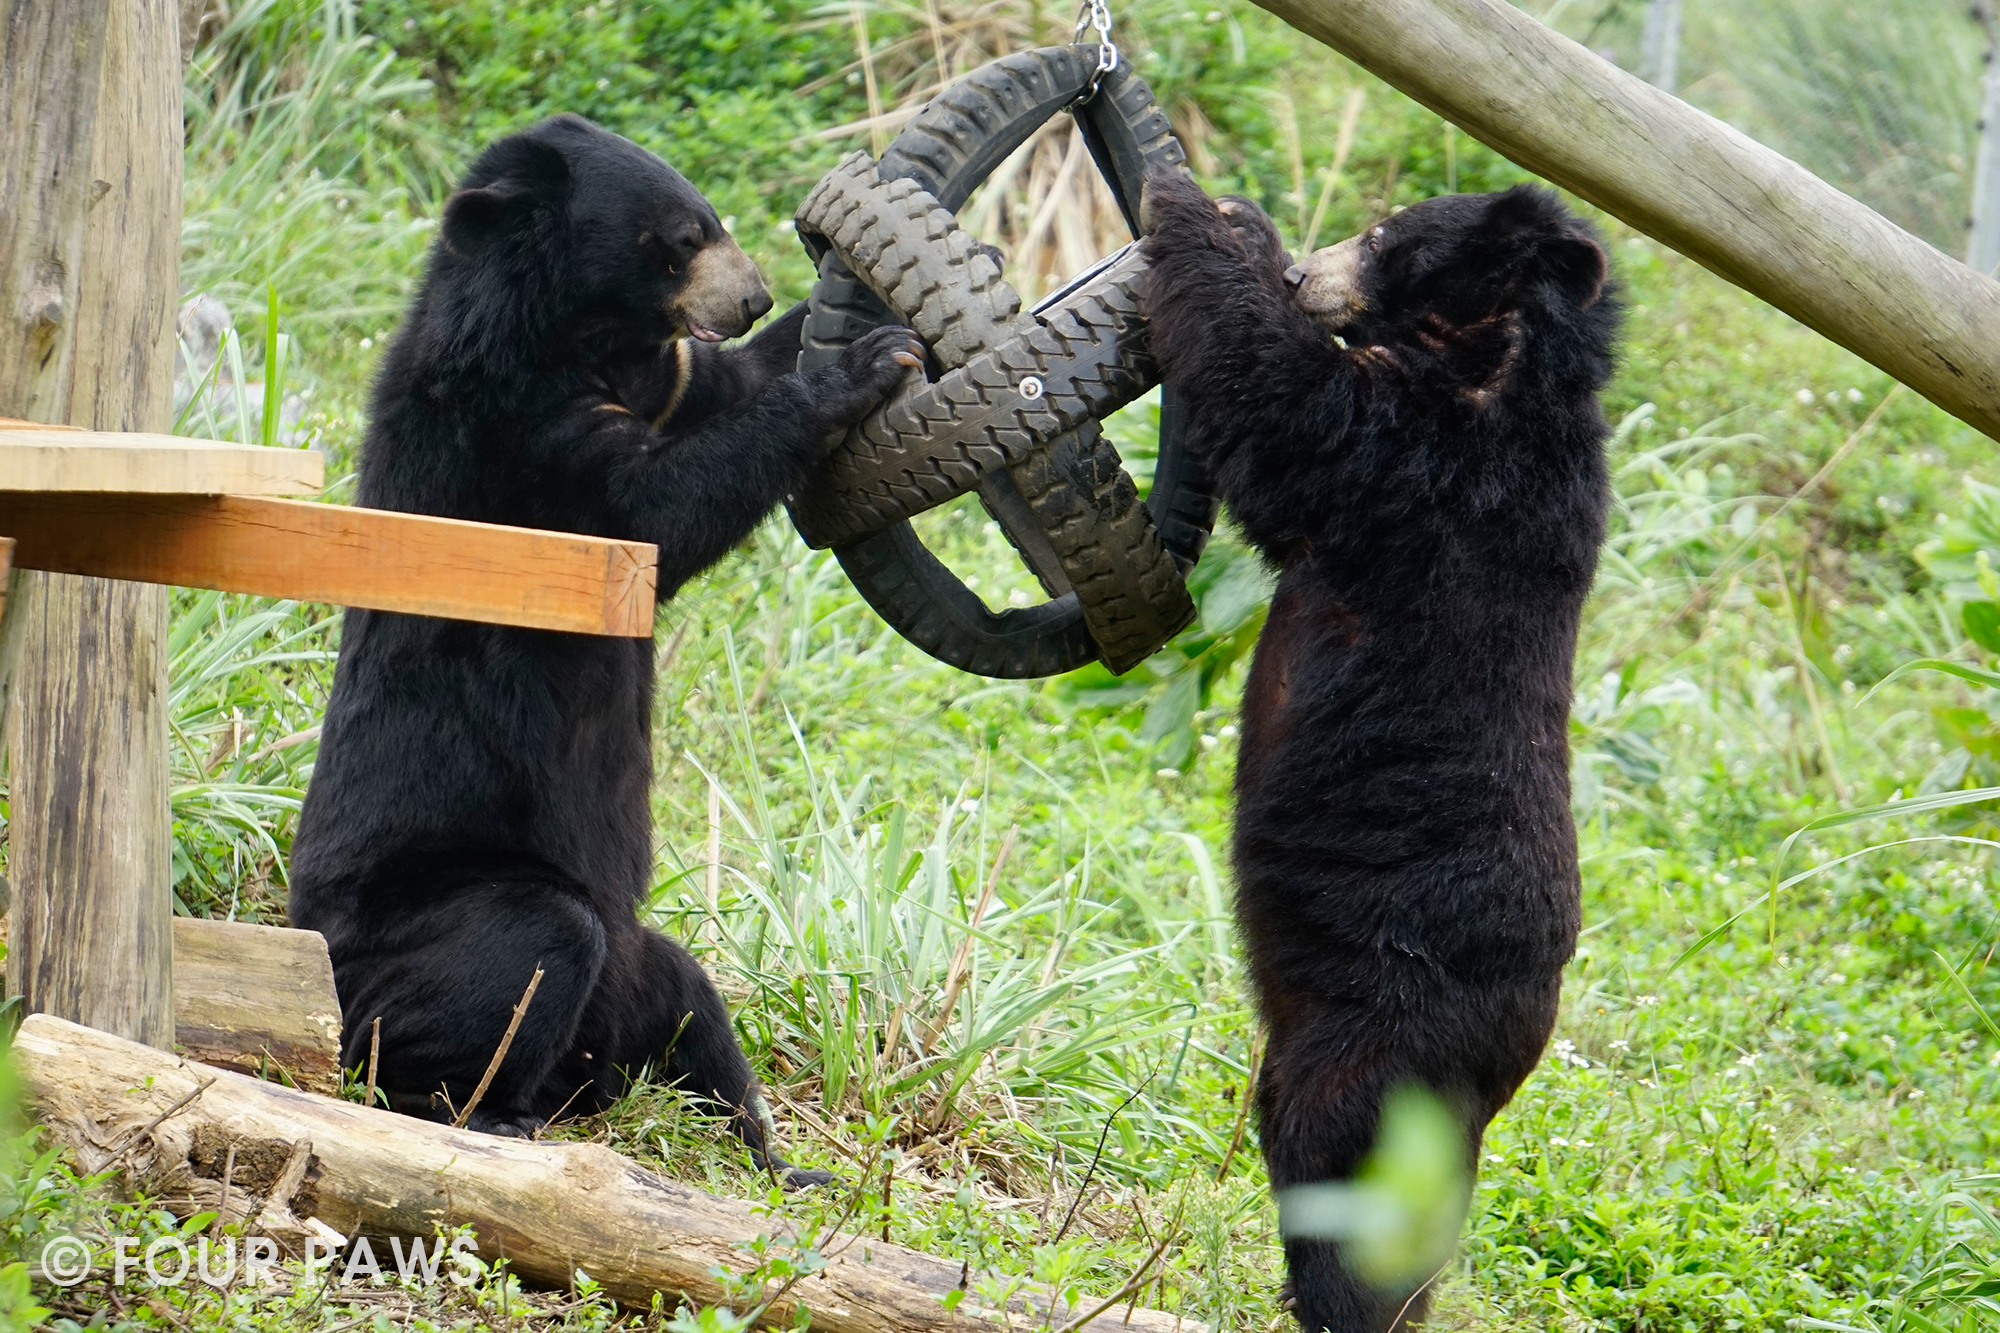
x=1014 y=412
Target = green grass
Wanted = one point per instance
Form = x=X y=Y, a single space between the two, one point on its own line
x=1792 y=1126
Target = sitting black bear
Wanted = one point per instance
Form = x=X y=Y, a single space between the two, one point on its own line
x=479 y=808
x=1406 y=426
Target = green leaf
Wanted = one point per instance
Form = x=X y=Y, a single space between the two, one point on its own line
x=1982 y=624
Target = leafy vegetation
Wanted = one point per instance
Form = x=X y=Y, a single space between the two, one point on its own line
x=976 y=933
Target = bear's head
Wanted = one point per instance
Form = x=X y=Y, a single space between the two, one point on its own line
x=1455 y=261
x=604 y=231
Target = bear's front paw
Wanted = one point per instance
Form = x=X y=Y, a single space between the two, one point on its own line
x=869 y=370
x=1172 y=196
x=1256 y=231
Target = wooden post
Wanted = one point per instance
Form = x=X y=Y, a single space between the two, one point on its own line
x=90 y=126
x=1719 y=197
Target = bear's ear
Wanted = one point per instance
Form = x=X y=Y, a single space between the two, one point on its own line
x=1576 y=265
x=1521 y=209
x=528 y=174
x=474 y=219
x=1531 y=224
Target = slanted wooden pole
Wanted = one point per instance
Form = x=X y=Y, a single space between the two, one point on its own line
x=1719 y=197
x=90 y=129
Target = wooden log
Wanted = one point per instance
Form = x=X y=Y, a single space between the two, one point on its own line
x=259 y=1000
x=1719 y=197
x=342 y=555
x=90 y=127
x=548 y=1208
x=41 y=458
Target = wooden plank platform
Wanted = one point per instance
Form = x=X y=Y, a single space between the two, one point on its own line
x=35 y=457
x=343 y=555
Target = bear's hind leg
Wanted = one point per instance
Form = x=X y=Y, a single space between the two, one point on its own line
x=1320 y=1107
x=656 y=1006
x=1318 y=1121
x=445 y=985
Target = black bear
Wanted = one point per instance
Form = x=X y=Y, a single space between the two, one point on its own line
x=1406 y=426
x=479 y=808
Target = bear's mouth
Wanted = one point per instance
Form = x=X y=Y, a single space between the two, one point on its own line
x=706 y=335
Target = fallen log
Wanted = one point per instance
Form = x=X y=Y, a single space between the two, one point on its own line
x=549 y=1209
x=1716 y=195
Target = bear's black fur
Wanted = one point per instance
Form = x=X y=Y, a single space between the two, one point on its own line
x=1407 y=427
x=480 y=803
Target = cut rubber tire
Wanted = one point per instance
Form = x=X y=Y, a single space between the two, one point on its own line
x=1115 y=563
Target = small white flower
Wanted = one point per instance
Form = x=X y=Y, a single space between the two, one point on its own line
x=1228 y=732
x=1748 y=1061
x=1646 y=1001
x=969 y=806
x=1495 y=1159
x=1805 y=397
x=1209 y=742
x=1167 y=773
x=1560 y=1143
x=1621 y=1045
x=367 y=343
x=1854 y=395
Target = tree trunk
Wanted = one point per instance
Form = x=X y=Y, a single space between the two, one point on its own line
x=90 y=122
x=549 y=1208
x=1729 y=203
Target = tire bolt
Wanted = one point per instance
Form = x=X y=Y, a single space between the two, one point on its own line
x=1031 y=388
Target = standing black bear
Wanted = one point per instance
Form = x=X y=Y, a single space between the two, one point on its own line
x=1407 y=426
x=480 y=804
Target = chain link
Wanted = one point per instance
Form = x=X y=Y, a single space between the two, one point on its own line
x=1096 y=15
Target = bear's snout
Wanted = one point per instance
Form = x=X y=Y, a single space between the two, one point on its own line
x=724 y=295
x=1327 y=284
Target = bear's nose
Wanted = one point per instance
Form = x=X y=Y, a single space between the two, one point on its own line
x=756 y=307
x=1295 y=276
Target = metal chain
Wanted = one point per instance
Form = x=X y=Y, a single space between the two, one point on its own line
x=1096 y=15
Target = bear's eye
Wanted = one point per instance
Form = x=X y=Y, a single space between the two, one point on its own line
x=1374 y=241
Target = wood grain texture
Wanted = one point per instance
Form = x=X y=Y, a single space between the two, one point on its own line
x=550 y=1208
x=90 y=119
x=47 y=132
x=135 y=461
x=90 y=852
x=347 y=556
x=1726 y=201
x=257 y=999
x=10 y=645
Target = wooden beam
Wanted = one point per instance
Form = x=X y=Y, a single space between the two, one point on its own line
x=259 y=1000
x=374 y=558
x=1726 y=201
x=90 y=129
x=550 y=1209
x=44 y=459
